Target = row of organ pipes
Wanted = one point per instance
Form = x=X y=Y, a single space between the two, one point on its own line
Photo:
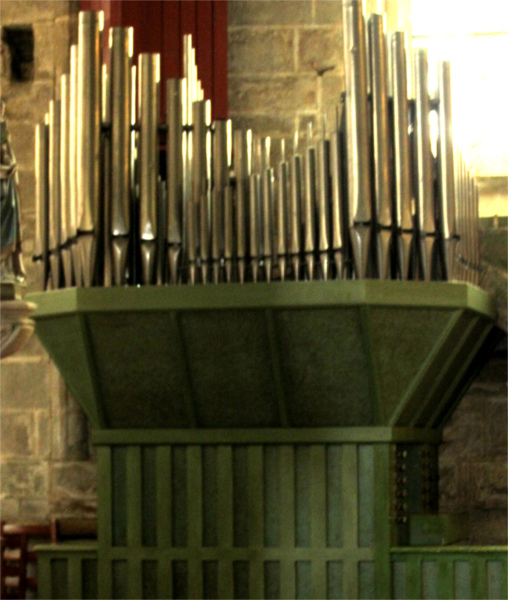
x=376 y=198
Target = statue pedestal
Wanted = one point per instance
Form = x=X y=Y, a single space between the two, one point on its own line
x=16 y=327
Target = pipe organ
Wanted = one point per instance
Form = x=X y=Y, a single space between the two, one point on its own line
x=124 y=199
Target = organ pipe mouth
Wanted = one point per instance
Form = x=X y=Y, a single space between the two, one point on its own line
x=382 y=193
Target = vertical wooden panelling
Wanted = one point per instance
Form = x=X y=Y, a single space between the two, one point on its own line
x=383 y=524
x=366 y=575
x=398 y=580
x=287 y=519
x=256 y=518
x=462 y=579
x=225 y=517
x=89 y=578
x=74 y=574
x=303 y=496
x=120 y=580
x=241 y=584
x=105 y=496
x=44 y=575
x=429 y=579
x=350 y=520
x=211 y=515
x=496 y=579
x=271 y=485
x=194 y=519
x=365 y=495
x=188 y=10
x=59 y=578
x=164 y=497
x=134 y=518
x=334 y=577
x=240 y=497
x=149 y=570
x=211 y=580
x=179 y=496
x=272 y=579
x=334 y=495
x=303 y=578
x=478 y=566
x=445 y=579
x=149 y=496
x=318 y=517
x=414 y=577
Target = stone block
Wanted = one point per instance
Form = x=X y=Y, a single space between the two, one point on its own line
x=320 y=47
x=276 y=12
x=22 y=134
x=10 y=508
x=488 y=527
x=263 y=125
x=272 y=95
x=454 y=485
x=25 y=383
x=34 y=510
x=489 y=482
x=29 y=100
x=43 y=430
x=496 y=425
x=44 y=51
x=328 y=12
x=24 y=479
x=74 y=479
x=18 y=433
x=78 y=506
x=28 y=11
x=62 y=42
x=260 y=50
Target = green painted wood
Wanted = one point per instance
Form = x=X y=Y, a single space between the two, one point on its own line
x=256 y=518
x=264 y=295
x=334 y=495
x=165 y=575
x=366 y=500
x=101 y=327
x=44 y=576
x=435 y=529
x=350 y=522
x=414 y=577
x=287 y=519
x=478 y=578
x=74 y=576
x=384 y=532
x=464 y=357
x=445 y=580
x=188 y=389
x=104 y=519
x=194 y=519
x=134 y=496
x=462 y=579
x=164 y=497
x=225 y=517
x=277 y=370
x=324 y=435
x=318 y=496
x=412 y=399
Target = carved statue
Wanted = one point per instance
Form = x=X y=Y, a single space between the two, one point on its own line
x=11 y=268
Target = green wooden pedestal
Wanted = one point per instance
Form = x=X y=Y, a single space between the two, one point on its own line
x=261 y=441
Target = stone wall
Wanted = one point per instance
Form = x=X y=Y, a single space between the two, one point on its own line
x=46 y=466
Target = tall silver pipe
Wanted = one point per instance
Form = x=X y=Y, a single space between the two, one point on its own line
x=254 y=223
x=105 y=222
x=89 y=138
x=337 y=204
x=381 y=136
x=121 y=50
x=41 y=202
x=425 y=195
x=324 y=205
x=403 y=193
x=229 y=242
x=148 y=110
x=241 y=168
x=358 y=149
x=200 y=182
x=282 y=212
x=309 y=210
x=174 y=150
x=295 y=214
x=446 y=167
x=217 y=230
x=54 y=215
x=65 y=178
x=74 y=191
x=267 y=213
